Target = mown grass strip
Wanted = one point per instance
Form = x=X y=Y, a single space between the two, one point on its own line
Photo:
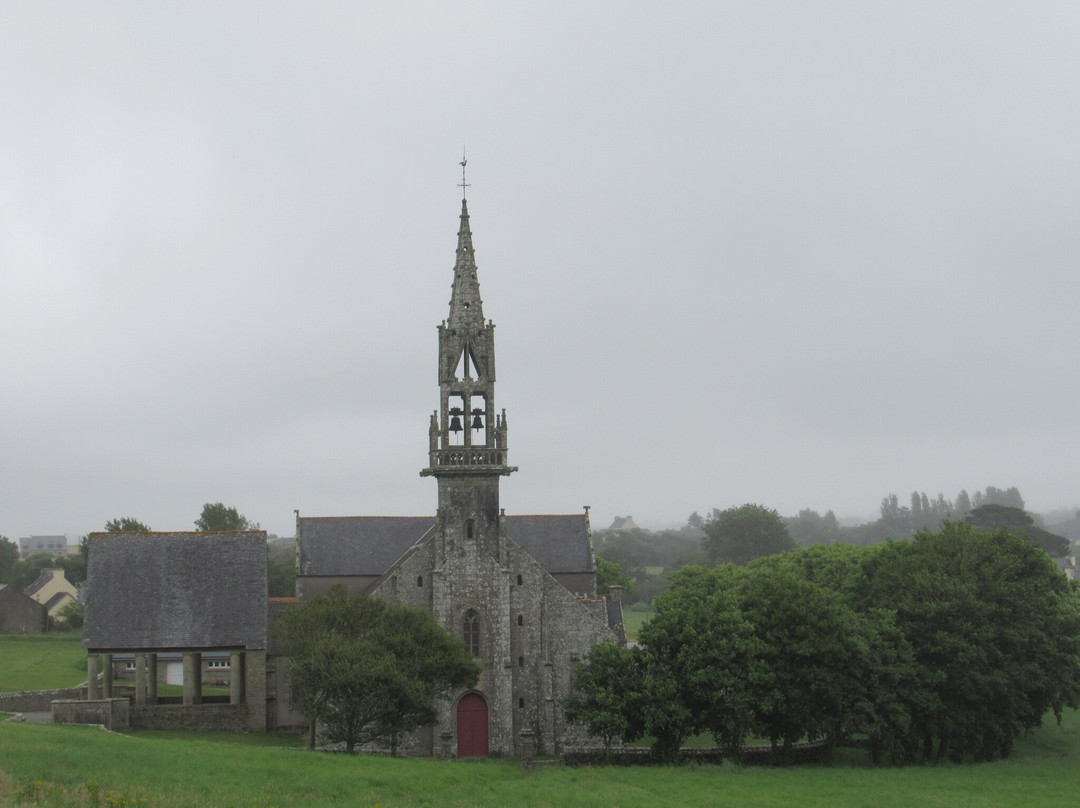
x=61 y=766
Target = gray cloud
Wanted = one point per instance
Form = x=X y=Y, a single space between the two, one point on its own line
x=800 y=255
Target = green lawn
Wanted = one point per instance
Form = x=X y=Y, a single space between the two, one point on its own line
x=632 y=622
x=41 y=661
x=77 y=766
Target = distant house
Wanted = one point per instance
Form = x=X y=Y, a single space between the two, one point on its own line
x=53 y=590
x=57 y=545
x=20 y=614
x=623 y=523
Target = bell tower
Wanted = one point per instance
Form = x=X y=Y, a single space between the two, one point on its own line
x=467 y=436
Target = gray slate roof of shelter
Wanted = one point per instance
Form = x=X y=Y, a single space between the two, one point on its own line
x=187 y=591
x=370 y=545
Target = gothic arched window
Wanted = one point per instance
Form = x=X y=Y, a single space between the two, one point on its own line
x=471 y=633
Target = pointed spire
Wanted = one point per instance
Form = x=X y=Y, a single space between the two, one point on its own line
x=466 y=308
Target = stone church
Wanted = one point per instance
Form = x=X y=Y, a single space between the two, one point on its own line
x=520 y=591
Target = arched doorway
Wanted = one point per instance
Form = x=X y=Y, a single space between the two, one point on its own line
x=472 y=726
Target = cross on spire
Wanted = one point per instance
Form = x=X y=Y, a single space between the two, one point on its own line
x=463 y=185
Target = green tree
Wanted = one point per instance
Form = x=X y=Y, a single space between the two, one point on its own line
x=9 y=556
x=809 y=528
x=824 y=671
x=280 y=572
x=605 y=690
x=125 y=524
x=895 y=518
x=216 y=518
x=995 y=630
x=365 y=669
x=699 y=654
x=1020 y=523
x=609 y=574
x=71 y=615
x=739 y=535
x=963 y=503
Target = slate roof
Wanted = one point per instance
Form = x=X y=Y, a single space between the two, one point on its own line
x=370 y=545
x=559 y=543
x=44 y=576
x=57 y=599
x=358 y=545
x=185 y=591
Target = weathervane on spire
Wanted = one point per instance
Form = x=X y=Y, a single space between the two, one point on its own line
x=463 y=185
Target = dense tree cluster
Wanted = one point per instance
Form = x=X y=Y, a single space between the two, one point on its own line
x=20 y=573
x=739 y=535
x=1021 y=523
x=943 y=648
x=363 y=669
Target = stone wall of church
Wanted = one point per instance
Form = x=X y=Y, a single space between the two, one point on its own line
x=533 y=631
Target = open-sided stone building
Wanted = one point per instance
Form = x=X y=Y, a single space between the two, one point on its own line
x=519 y=590
x=183 y=594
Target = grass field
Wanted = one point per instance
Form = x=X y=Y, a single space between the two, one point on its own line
x=632 y=622
x=81 y=766
x=41 y=661
x=67 y=767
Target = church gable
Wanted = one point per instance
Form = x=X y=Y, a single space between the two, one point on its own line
x=354 y=550
x=561 y=544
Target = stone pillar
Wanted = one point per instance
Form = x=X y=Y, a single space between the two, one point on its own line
x=140 y=678
x=151 y=678
x=106 y=676
x=192 y=678
x=444 y=744
x=236 y=677
x=253 y=666
x=91 y=677
x=528 y=746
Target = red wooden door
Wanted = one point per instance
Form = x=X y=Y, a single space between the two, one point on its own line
x=472 y=726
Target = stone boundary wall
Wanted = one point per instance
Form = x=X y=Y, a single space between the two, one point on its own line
x=35 y=701
x=808 y=752
x=199 y=717
x=113 y=714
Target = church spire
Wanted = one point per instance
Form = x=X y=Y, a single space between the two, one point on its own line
x=466 y=307
x=467 y=436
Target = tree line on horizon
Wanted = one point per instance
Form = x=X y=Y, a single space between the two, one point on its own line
x=646 y=559
x=941 y=648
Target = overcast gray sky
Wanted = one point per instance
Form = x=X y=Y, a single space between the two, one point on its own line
x=801 y=254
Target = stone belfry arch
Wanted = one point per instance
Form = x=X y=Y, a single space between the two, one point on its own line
x=467 y=449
